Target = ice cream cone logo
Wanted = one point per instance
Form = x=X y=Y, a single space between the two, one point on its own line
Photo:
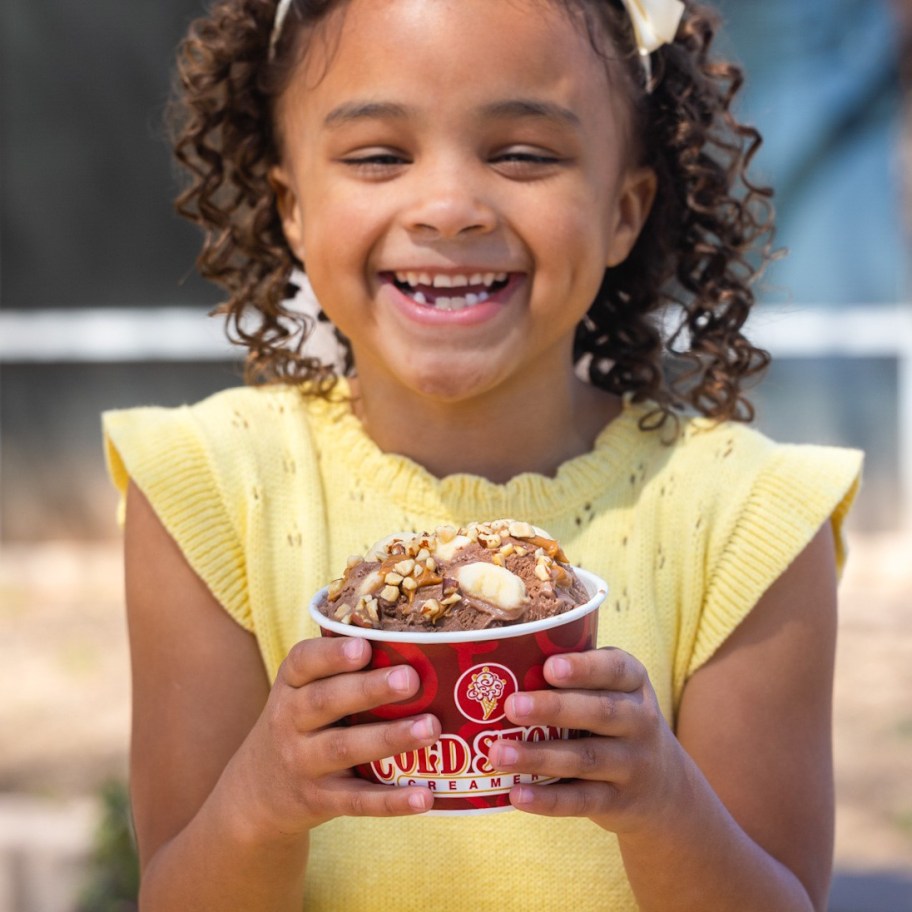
x=483 y=690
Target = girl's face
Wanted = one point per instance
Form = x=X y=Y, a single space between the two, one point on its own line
x=456 y=179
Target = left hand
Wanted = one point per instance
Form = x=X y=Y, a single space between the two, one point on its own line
x=626 y=774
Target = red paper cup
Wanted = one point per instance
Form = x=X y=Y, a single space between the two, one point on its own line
x=466 y=678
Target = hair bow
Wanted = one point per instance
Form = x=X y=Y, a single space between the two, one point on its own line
x=655 y=22
x=281 y=12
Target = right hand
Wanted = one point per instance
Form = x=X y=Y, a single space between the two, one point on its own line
x=298 y=762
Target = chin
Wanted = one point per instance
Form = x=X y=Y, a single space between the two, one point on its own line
x=449 y=383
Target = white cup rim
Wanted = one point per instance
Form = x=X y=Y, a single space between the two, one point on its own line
x=595 y=586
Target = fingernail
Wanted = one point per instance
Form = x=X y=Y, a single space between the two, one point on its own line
x=521 y=795
x=559 y=668
x=521 y=705
x=399 y=679
x=506 y=755
x=418 y=801
x=352 y=649
x=423 y=729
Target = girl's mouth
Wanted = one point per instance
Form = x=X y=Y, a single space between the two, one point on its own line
x=450 y=292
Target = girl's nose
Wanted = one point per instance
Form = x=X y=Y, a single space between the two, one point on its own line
x=447 y=206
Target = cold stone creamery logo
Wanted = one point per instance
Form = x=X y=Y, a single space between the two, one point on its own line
x=455 y=767
x=482 y=689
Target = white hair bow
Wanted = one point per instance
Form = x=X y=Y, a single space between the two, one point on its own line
x=655 y=22
x=279 y=20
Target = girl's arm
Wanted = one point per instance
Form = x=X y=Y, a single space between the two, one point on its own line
x=228 y=776
x=736 y=813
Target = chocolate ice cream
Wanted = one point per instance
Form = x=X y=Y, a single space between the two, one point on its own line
x=483 y=575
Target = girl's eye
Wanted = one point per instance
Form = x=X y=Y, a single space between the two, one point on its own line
x=526 y=163
x=375 y=164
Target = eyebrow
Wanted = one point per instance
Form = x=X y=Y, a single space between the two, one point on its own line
x=512 y=109
x=522 y=108
x=365 y=110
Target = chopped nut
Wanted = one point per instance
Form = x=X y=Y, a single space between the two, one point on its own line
x=507 y=549
x=431 y=564
x=450 y=586
x=371 y=605
x=340 y=612
x=490 y=539
x=409 y=584
x=521 y=530
x=405 y=567
x=446 y=533
x=392 y=579
x=542 y=572
x=498 y=559
x=432 y=609
x=353 y=561
x=334 y=590
x=390 y=593
x=451 y=599
x=422 y=555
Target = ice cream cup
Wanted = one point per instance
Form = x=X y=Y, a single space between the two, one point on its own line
x=466 y=678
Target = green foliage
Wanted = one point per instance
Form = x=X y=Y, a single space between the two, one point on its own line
x=113 y=881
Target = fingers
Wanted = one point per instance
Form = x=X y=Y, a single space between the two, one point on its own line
x=596 y=759
x=310 y=660
x=577 y=799
x=604 y=691
x=597 y=669
x=352 y=797
x=326 y=687
x=342 y=747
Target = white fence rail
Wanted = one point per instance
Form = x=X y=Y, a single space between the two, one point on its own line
x=181 y=334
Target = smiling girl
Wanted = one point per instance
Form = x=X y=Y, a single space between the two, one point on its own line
x=529 y=223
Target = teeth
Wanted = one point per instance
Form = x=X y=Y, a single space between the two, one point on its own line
x=450 y=303
x=419 y=297
x=449 y=281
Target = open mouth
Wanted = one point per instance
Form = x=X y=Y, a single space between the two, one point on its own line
x=450 y=292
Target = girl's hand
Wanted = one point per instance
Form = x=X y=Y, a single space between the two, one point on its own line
x=626 y=773
x=299 y=761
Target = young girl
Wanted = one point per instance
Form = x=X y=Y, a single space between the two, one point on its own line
x=528 y=221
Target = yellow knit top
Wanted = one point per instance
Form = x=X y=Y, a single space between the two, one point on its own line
x=268 y=491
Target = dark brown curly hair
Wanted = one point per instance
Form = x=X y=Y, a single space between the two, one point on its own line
x=666 y=324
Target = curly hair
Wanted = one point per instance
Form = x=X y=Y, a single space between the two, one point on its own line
x=666 y=324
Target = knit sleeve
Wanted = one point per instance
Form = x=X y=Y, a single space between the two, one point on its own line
x=794 y=492
x=165 y=453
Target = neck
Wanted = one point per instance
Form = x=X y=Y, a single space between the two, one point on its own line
x=496 y=435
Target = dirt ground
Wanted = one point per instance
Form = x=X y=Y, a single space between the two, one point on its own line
x=64 y=686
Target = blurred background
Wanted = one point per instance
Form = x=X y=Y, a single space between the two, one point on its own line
x=100 y=308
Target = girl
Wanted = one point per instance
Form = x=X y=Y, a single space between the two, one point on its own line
x=501 y=205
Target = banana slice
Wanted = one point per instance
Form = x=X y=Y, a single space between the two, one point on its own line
x=493 y=584
x=444 y=551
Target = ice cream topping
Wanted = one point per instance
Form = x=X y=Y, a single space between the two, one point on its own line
x=485 y=574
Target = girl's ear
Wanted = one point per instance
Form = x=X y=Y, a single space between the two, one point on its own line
x=635 y=199
x=289 y=209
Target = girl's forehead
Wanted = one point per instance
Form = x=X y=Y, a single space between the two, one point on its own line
x=454 y=48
